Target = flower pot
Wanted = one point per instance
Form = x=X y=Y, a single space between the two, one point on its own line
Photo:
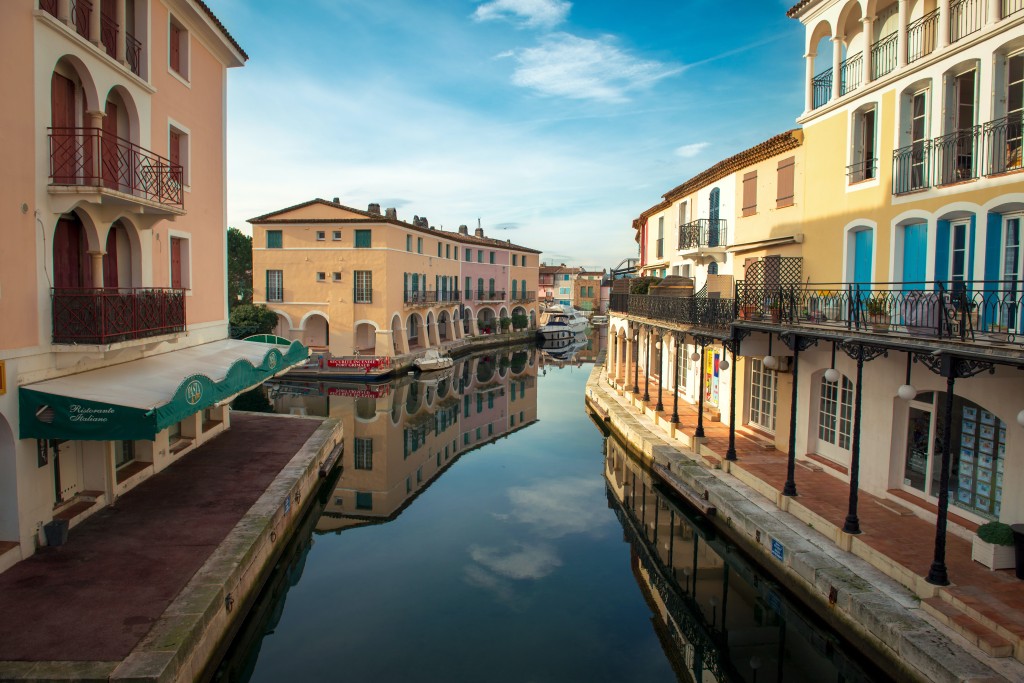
x=748 y=311
x=56 y=532
x=993 y=556
x=879 y=322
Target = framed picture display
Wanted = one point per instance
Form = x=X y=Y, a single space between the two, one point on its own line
x=966 y=456
x=983 y=490
x=988 y=432
x=970 y=413
x=986 y=446
x=967 y=441
x=964 y=496
x=968 y=427
x=987 y=418
x=984 y=475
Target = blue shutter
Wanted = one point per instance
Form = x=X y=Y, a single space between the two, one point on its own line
x=971 y=242
x=993 y=269
x=863 y=241
x=942 y=251
x=915 y=251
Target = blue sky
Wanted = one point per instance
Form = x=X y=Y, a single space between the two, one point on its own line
x=554 y=123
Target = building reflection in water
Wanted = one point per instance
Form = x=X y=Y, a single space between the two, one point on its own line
x=401 y=435
x=718 y=616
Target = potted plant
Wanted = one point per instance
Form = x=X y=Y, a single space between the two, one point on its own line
x=993 y=546
x=878 y=313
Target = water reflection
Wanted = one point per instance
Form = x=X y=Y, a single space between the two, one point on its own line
x=401 y=435
x=718 y=616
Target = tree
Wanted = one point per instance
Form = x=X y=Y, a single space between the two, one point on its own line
x=239 y=268
x=641 y=285
x=247 y=320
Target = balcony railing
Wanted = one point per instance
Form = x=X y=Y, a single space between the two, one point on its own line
x=965 y=17
x=133 y=53
x=911 y=167
x=956 y=155
x=1011 y=7
x=484 y=295
x=704 y=232
x=108 y=35
x=822 y=84
x=967 y=311
x=107 y=316
x=80 y=13
x=88 y=156
x=860 y=171
x=851 y=73
x=419 y=297
x=883 y=56
x=523 y=297
x=49 y=6
x=921 y=36
x=1003 y=144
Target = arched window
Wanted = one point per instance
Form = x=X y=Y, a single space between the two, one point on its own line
x=490 y=287
x=835 y=412
x=713 y=268
x=713 y=208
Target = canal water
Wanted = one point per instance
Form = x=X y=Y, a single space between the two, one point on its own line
x=482 y=528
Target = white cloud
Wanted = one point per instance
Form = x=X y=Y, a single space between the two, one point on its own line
x=532 y=13
x=565 y=65
x=559 y=507
x=528 y=561
x=692 y=150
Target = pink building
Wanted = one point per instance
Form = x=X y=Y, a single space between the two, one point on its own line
x=114 y=360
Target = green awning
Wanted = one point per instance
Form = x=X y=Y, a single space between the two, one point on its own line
x=136 y=400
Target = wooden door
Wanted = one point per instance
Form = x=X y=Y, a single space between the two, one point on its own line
x=111 y=166
x=176 y=279
x=62 y=118
x=70 y=266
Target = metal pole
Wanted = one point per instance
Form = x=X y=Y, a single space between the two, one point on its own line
x=937 y=574
x=675 y=384
x=647 y=369
x=636 y=365
x=661 y=373
x=730 y=453
x=699 y=433
x=790 y=488
x=852 y=525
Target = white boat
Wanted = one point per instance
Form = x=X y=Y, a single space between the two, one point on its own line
x=561 y=323
x=433 y=360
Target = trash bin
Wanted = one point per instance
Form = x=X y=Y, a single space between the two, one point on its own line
x=56 y=532
x=1018 y=547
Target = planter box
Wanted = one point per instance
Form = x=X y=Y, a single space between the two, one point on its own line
x=993 y=556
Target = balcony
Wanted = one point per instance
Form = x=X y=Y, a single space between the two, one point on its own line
x=484 y=296
x=822 y=84
x=966 y=17
x=883 y=56
x=80 y=16
x=956 y=156
x=990 y=149
x=1011 y=7
x=851 y=71
x=108 y=316
x=922 y=36
x=523 y=297
x=86 y=157
x=415 y=297
x=703 y=240
x=1003 y=144
x=860 y=171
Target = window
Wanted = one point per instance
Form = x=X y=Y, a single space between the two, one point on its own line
x=336 y=235
x=321 y=276
x=275 y=285
x=763 y=395
x=364 y=500
x=408 y=242
x=419 y=245
x=479 y=255
x=363 y=281
x=684 y=213
x=479 y=288
x=364 y=454
x=177 y=48
x=784 y=196
x=438 y=250
x=447 y=251
x=469 y=254
x=515 y=259
x=522 y=261
x=321 y=235
x=363 y=239
x=180 y=269
x=750 y=193
x=469 y=287
x=177 y=152
x=492 y=257
x=490 y=287
x=661 y=238
x=864 y=161
x=456 y=253
x=835 y=411
x=956 y=151
x=274 y=239
x=683 y=369
x=958 y=257
x=124 y=453
x=336 y=276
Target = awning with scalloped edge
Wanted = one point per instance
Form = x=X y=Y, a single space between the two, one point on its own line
x=138 y=399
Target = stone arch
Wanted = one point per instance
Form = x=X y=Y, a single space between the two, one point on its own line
x=364 y=340
x=120 y=260
x=70 y=64
x=431 y=330
x=400 y=343
x=443 y=324
x=849 y=25
x=315 y=329
x=822 y=31
x=129 y=124
x=134 y=234
x=487 y=322
x=850 y=234
x=284 y=324
x=414 y=398
x=72 y=242
x=415 y=335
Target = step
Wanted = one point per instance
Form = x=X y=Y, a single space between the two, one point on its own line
x=990 y=642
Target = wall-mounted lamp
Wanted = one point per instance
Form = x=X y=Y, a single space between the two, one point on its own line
x=769 y=361
x=832 y=375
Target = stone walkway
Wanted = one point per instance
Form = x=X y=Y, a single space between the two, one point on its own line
x=96 y=597
x=988 y=606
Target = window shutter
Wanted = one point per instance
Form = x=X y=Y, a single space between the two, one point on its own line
x=785 y=183
x=175 y=48
x=175 y=148
x=750 y=193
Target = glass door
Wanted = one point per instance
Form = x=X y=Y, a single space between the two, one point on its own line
x=919 y=440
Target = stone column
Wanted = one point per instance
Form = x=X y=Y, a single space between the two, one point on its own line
x=869 y=39
x=94 y=26
x=837 y=65
x=119 y=43
x=901 y=34
x=809 y=91
x=995 y=10
x=944 y=23
x=97 y=268
x=96 y=122
x=383 y=344
x=64 y=11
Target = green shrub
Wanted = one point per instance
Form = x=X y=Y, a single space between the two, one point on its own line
x=996 y=533
x=520 y=321
x=247 y=320
x=641 y=285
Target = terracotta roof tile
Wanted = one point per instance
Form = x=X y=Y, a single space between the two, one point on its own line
x=202 y=5
x=795 y=9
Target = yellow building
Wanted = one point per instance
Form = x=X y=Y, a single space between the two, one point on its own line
x=364 y=283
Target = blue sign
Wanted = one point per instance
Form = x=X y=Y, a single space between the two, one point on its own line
x=778 y=550
x=288 y=505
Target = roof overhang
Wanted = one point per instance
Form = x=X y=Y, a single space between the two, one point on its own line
x=138 y=399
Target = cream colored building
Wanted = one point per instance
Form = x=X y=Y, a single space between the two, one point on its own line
x=365 y=283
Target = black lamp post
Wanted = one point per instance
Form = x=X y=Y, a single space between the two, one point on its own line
x=647 y=368
x=730 y=453
x=636 y=365
x=661 y=376
x=699 y=432
x=675 y=385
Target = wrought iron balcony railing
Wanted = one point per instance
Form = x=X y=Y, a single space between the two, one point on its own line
x=133 y=53
x=49 y=6
x=90 y=157
x=956 y=155
x=1011 y=7
x=883 y=56
x=704 y=232
x=922 y=36
x=484 y=295
x=523 y=297
x=822 y=84
x=80 y=15
x=418 y=297
x=107 y=316
x=965 y=17
x=860 y=171
x=696 y=311
x=1003 y=146
x=108 y=35
x=851 y=73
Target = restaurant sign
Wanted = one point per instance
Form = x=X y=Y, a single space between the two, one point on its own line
x=360 y=363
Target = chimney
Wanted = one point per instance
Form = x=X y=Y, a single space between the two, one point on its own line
x=479 y=232
x=374 y=209
x=337 y=200
x=424 y=222
x=463 y=230
x=391 y=213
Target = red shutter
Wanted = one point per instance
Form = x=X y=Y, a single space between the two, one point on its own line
x=62 y=115
x=174 y=151
x=785 y=182
x=750 y=193
x=109 y=157
x=175 y=55
x=110 y=260
x=71 y=266
x=176 y=280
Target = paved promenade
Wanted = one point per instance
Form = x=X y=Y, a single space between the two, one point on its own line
x=95 y=598
x=984 y=608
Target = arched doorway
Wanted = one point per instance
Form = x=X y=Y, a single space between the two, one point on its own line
x=442 y=326
x=117 y=259
x=366 y=338
x=486 y=321
x=316 y=331
x=71 y=267
x=413 y=330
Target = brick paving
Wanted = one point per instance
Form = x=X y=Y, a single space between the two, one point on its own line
x=96 y=597
x=906 y=539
